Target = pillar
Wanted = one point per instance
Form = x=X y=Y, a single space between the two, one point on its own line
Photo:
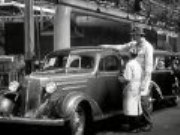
x=178 y=42
x=2 y=1
x=29 y=35
x=29 y=29
x=62 y=27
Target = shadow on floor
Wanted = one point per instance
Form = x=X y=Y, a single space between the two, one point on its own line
x=116 y=124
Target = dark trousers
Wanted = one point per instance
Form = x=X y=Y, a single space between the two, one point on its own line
x=134 y=122
x=147 y=120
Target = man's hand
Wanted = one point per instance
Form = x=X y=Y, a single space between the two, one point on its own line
x=122 y=80
x=106 y=46
x=120 y=47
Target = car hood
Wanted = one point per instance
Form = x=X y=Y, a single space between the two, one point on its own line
x=59 y=75
x=37 y=81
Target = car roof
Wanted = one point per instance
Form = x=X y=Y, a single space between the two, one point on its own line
x=162 y=53
x=84 y=49
x=177 y=53
x=98 y=49
x=6 y=58
x=156 y=53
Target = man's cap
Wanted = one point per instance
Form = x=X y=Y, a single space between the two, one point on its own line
x=138 y=31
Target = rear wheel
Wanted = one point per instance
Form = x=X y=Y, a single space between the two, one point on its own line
x=175 y=93
x=150 y=105
x=175 y=100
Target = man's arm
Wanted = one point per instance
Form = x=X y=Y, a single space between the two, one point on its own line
x=120 y=47
x=149 y=60
x=148 y=70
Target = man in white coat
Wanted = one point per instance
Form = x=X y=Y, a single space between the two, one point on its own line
x=131 y=94
x=145 y=57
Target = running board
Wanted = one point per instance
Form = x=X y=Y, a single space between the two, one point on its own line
x=169 y=97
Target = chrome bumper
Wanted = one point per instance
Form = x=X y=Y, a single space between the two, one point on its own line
x=31 y=121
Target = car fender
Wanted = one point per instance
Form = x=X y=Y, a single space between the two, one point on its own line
x=156 y=89
x=73 y=99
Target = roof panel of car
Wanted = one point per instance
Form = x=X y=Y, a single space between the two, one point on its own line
x=177 y=53
x=162 y=53
x=86 y=49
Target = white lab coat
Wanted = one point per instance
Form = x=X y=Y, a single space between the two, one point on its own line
x=131 y=93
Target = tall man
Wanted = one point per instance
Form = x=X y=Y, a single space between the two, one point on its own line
x=145 y=58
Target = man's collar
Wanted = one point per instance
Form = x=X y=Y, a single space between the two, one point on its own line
x=141 y=41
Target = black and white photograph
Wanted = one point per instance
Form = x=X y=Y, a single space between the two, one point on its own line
x=90 y=67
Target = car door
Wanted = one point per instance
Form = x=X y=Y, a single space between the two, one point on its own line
x=107 y=80
x=163 y=75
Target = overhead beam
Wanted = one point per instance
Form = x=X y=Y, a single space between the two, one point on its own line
x=96 y=10
x=101 y=11
x=164 y=6
x=38 y=8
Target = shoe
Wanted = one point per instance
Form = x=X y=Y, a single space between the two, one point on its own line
x=135 y=130
x=146 y=128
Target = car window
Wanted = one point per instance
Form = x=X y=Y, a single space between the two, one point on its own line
x=175 y=64
x=168 y=62
x=55 y=62
x=81 y=62
x=109 y=63
x=87 y=62
x=71 y=61
x=74 y=61
x=162 y=63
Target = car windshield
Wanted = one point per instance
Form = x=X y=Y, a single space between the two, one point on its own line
x=71 y=61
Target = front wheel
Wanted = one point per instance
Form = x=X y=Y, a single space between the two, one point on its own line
x=78 y=121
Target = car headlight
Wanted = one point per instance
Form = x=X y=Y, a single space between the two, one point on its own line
x=51 y=87
x=13 y=86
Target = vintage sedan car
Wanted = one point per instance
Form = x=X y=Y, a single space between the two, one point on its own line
x=176 y=64
x=164 y=79
x=75 y=87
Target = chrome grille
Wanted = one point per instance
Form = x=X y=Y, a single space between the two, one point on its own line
x=33 y=94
